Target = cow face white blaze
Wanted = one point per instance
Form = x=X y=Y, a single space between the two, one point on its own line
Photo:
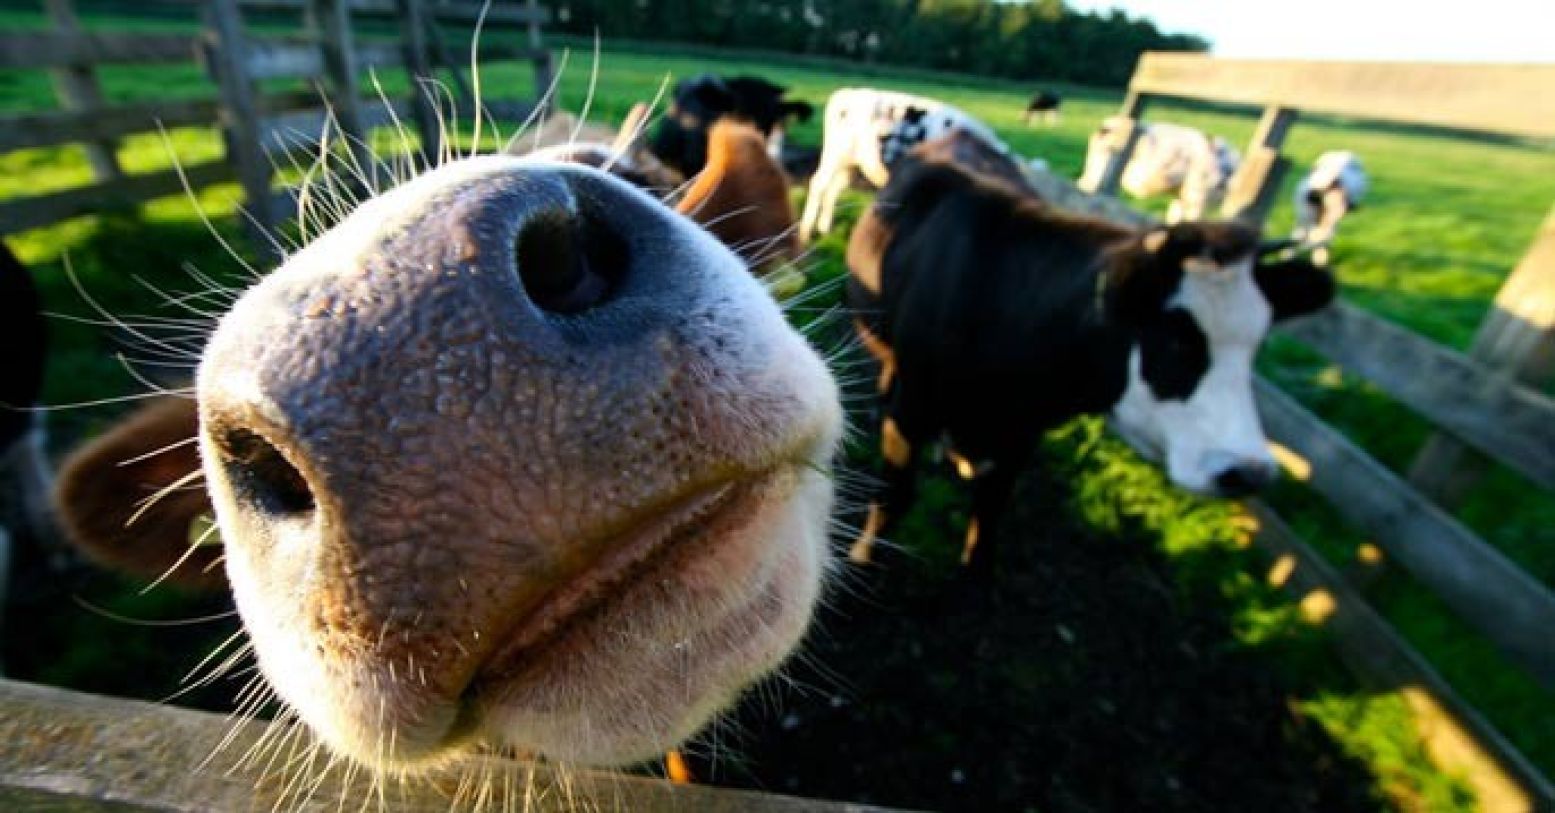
x=1188 y=398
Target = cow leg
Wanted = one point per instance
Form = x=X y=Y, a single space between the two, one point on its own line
x=992 y=486
x=898 y=448
x=839 y=181
x=820 y=182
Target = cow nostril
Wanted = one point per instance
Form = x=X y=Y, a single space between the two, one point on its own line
x=261 y=473
x=569 y=263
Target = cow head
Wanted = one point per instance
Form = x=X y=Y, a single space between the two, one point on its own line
x=1197 y=301
x=680 y=140
x=515 y=455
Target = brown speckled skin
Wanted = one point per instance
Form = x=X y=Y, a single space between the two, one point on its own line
x=469 y=452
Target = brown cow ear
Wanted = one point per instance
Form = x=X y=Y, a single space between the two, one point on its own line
x=104 y=484
x=1294 y=287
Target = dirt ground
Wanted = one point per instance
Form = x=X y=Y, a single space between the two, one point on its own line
x=1079 y=680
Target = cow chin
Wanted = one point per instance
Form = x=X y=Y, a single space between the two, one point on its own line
x=1211 y=442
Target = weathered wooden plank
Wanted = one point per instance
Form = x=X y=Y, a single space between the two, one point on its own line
x=1456 y=736
x=1487 y=590
x=415 y=34
x=75 y=751
x=52 y=49
x=300 y=129
x=76 y=86
x=1253 y=187
x=29 y=213
x=226 y=57
x=1131 y=111
x=65 y=126
x=330 y=22
x=1507 y=99
x=502 y=12
x=1517 y=339
x=292 y=59
x=1513 y=423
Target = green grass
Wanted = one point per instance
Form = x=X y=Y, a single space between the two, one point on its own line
x=1447 y=219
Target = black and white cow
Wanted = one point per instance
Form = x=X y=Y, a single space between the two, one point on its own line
x=998 y=317
x=1044 y=104
x=680 y=139
x=1167 y=159
x=868 y=131
x=1335 y=187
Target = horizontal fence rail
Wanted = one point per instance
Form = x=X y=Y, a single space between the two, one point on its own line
x=262 y=129
x=1453 y=731
x=1486 y=589
x=1502 y=418
x=65 y=751
x=1506 y=99
x=50 y=49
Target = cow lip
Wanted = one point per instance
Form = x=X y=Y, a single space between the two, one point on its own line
x=625 y=557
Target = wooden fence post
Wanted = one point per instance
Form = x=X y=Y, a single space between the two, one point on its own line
x=1517 y=337
x=226 y=55
x=542 y=60
x=1133 y=108
x=415 y=29
x=330 y=22
x=77 y=88
x=1252 y=189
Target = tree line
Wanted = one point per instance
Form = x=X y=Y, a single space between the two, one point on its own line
x=1037 y=39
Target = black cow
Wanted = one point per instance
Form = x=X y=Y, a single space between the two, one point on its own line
x=996 y=317
x=680 y=140
x=1044 y=103
x=24 y=473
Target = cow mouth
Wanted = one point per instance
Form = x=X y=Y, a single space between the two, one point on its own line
x=686 y=526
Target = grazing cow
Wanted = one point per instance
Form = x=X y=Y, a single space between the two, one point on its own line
x=1335 y=186
x=868 y=131
x=680 y=140
x=1002 y=317
x=1167 y=159
x=741 y=196
x=1044 y=104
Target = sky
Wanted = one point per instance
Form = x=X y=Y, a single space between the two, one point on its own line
x=1409 y=30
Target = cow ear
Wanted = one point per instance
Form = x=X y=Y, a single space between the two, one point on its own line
x=800 y=110
x=1294 y=287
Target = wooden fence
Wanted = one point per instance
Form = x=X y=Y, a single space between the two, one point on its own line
x=1486 y=402
x=259 y=128
x=63 y=751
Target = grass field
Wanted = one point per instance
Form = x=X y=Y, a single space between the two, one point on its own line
x=1447 y=219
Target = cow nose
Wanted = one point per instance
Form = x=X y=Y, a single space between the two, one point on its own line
x=1245 y=478
x=569 y=262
